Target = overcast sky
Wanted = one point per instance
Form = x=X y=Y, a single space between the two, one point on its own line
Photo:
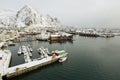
x=73 y=12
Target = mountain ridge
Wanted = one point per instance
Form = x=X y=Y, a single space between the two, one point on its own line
x=27 y=16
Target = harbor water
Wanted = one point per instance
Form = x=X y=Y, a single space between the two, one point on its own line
x=88 y=59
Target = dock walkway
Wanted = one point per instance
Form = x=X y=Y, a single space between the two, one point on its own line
x=26 y=67
x=4 y=62
x=9 y=72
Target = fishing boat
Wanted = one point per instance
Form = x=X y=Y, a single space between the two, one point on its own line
x=43 y=36
x=55 y=36
x=27 y=58
x=30 y=49
x=10 y=43
x=63 y=59
x=20 y=50
x=107 y=35
x=61 y=36
x=45 y=53
x=66 y=36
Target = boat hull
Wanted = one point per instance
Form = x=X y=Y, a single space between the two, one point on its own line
x=62 y=59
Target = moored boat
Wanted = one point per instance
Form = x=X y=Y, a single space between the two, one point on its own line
x=20 y=50
x=10 y=43
x=61 y=36
x=45 y=53
x=62 y=59
x=55 y=36
x=43 y=36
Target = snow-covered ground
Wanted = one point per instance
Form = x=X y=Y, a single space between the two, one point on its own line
x=5 y=61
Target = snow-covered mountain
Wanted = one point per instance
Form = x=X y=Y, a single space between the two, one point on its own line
x=48 y=21
x=7 y=18
x=27 y=16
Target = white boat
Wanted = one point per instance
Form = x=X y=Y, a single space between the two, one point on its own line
x=10 y=43
x=24 y=48
x=43 y=36
x=55 y=36
x=43 y=52
x=30 y=54
x=30 y=48
x=63 y=59
x=20 y=50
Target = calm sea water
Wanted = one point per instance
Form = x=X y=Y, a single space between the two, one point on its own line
x=89 y=59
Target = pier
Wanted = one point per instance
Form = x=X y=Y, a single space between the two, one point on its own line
x=26 y=67
x=4 y=61
x=29 y=65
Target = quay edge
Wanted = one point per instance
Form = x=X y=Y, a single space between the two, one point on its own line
x=25 y=70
